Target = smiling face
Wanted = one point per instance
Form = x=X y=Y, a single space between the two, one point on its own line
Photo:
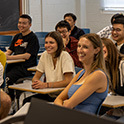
x=105 y=51
x=118 y=33
x=23 y=25
x=64 y=32
x=86 y=51
x=51 y=46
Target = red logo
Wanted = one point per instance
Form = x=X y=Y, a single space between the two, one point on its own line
x=18 y=42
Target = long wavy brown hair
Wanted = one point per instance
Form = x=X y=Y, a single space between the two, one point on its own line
x=112 y=62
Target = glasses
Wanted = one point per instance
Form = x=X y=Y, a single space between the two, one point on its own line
x=117 y=29
x=63 y=32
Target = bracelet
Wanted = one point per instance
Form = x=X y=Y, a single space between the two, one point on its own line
x=52 y=85
x=47 y=85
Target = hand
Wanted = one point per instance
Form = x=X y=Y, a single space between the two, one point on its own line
x=7 y=56
x=110 y=112
x=38 y=84
x=66 y=104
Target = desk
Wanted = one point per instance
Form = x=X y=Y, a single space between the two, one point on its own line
x=23 y=110
x=113 y=101
x=27 y=87
x=15 y=61
x=32 y=68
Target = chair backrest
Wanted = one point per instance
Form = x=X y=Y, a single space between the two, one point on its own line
x=41 y=34
x=77 y=69
x=5 y=41
x=86 y=30
x=41 y=43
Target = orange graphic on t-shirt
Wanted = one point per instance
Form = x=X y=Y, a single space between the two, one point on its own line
x=18 y=42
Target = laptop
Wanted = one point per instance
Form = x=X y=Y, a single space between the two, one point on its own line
x=41 y=112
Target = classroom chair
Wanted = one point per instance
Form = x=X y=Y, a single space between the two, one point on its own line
x=41 y=43
x=41 y=34
x=5 y=41
x=86 y=30
x=77 y=69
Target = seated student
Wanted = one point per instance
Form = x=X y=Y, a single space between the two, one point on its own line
x=118 y=33
x=56 y=64
x=115 y=66
x=24 y=45
x=75 y=31
x=70 y=43
x=89 y=87
x=106 y=32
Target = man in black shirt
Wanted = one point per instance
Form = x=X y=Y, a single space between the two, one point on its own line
x=24 y=45
x=118 y=33
x=75 y=31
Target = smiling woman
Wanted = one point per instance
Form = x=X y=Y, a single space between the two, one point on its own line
x=89 y=87
x=56 y=64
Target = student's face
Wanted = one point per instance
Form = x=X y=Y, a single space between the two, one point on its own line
x=64 y=32
x=118 y=32
x=86 y=51
x=23 y=25
x=70 y=20
x=51 y=46
x=105 y=51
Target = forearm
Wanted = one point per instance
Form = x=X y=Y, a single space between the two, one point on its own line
x=25 y=56
x=37 y=76
x=62 y=83
x=58 y=102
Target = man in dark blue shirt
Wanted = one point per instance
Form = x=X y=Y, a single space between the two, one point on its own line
x=75 y=31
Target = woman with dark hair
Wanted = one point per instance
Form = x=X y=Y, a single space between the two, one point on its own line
x=56 y=64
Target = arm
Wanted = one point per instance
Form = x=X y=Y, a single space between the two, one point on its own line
x=25 y=56
x=37 y=84
x=91 y=85
x=67 y=79
x=63 y=95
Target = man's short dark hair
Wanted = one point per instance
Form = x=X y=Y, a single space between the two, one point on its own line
x=70 y=14
x=63 y=24
x=118 y=21
x=115 y=16
x=26 y=17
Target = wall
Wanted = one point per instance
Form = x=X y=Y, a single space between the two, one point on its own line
x=53 y=11
x=95 y=18
x=46 y=13
x=34 y=10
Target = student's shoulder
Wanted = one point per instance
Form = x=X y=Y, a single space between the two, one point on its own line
x=99 y=74
x=64 y=53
